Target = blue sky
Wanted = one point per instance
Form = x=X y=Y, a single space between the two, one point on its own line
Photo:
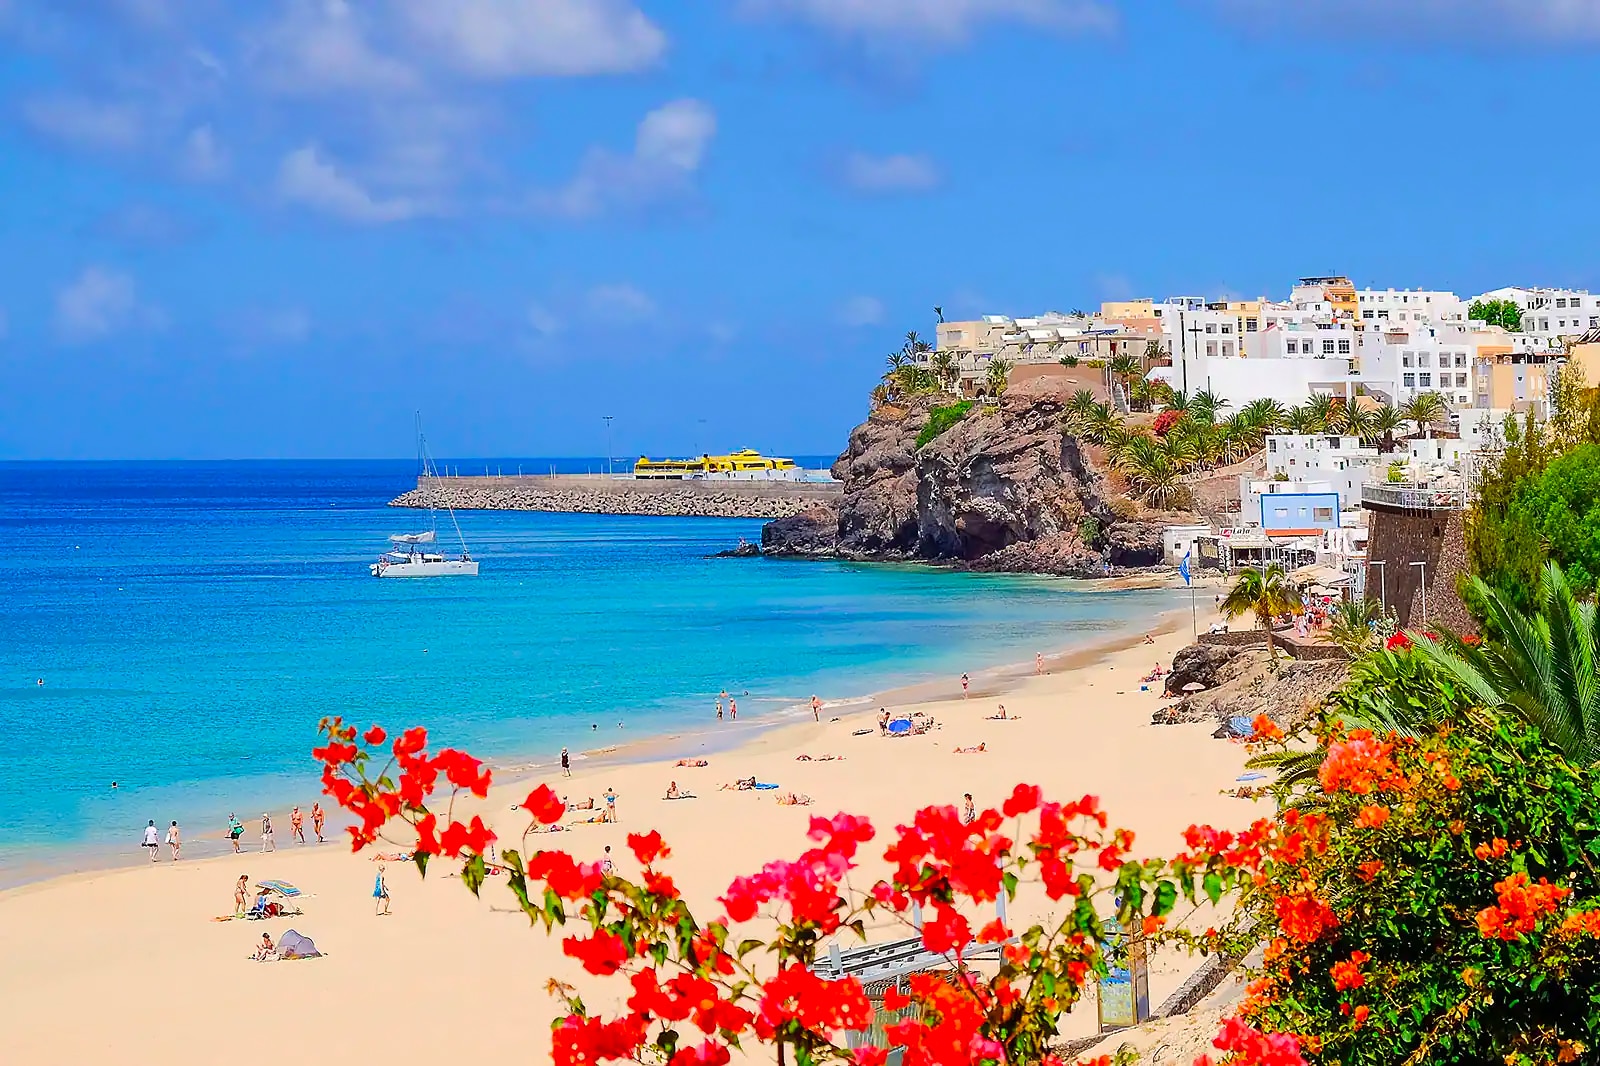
x=278 y=233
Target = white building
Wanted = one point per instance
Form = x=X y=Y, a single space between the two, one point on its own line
x=1483 y=428
x=1410 y=306
x=1196 y=336
x=1549 y=315
x=1302 y=464
x=1397 y=362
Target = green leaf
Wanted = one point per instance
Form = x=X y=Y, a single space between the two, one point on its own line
x=1166 y=898
x=1213 y=887
x=473 y=873
x=421 y=859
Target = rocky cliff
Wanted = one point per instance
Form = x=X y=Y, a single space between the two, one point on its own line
x=1005 y=488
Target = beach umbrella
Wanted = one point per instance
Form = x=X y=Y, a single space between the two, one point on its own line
x=1194 y=686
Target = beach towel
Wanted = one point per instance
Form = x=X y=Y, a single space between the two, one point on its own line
x=683 y=796
x=862 y=733
x=763 y=784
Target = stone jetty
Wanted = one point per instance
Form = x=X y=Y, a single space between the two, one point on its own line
x=577 y=494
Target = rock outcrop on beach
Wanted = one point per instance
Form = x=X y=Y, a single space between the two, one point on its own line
x=1244 y=681
x=1006 y=488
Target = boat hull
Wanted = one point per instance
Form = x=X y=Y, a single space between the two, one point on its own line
x=444 y=568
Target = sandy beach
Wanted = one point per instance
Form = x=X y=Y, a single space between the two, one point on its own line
x=126 y=965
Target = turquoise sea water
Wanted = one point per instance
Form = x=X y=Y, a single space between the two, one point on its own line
x=191 y=623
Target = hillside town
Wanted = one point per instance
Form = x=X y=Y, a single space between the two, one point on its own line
x=1287 y=426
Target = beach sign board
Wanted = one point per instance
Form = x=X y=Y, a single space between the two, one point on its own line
x=1125 y=989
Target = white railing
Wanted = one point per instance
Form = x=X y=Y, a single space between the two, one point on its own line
x=1415 y=497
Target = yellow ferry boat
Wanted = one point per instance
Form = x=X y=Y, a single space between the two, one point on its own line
x=743 y=465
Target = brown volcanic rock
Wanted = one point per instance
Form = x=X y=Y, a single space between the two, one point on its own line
x=1003 y=489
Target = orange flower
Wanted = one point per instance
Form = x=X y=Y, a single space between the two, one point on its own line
x=1522 y=905
x=1369 y=870
x=1359 y=1017
x=1305 y=916
x=1347 y=975
x=1493 y=850
x=1265 y=729
x=1372 y=817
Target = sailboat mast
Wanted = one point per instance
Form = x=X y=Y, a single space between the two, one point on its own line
x=427 y=465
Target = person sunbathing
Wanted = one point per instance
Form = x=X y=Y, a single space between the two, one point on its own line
x=1001 y=717
x=593 y=819
x=676 y=793
x=265 y=950
x=982 y=746
x=742 y=785
x=586 y=805
x=794 y=799
x=693 y=762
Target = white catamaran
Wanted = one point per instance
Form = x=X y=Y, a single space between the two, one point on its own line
x=408 y=555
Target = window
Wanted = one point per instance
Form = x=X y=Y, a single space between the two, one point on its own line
x=1327 y=347
x=1322 y=514
x=1211 y=327
x=1211 y=347
x=1249 y=325
x=1461 y=381
x=1272 y=445
x=1427 y=381
x=1561 y=302
x=1344 y=347
x=1461 y=359
x=1280 y=512
x=1366 y=314
x=1411 y=381
x=1594 y=321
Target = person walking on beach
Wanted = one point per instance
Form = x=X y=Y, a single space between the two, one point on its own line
x=607 y=867
x=969 y=811
x=317 y=818
x=152 y=841
x=965 y=682
x=235 y=831
x=611 y=804
x=174 y=841
x=241 y=890
x=266 y=834
x=883 y=721
x=297 y=825
x=733 y=710
x=380 y=892
x=566 y=763
x=1038 y=663
x=719 y=710
x=816 y=708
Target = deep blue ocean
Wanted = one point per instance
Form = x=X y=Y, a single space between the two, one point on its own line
x=191 y=622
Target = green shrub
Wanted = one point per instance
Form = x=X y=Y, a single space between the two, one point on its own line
x=941 y=419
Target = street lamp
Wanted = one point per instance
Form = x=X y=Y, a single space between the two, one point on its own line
x=1383 y=598
x=1423 y=577
x=608 y=419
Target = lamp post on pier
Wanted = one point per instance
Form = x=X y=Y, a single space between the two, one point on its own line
x=608 y=419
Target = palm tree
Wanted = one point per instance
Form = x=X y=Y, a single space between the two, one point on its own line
x=1350 y=627
x=1152 y=470
x=939 y=312
x=1078 y=410
x=1101 y=425
x=1303 y=420
x=1385 y=420
x=1176 y=400
x=1154 y=352
x=1125 y=367
x=1327 y=411
x=1267 y=415
x=1195 y=443
x=1542 y=667
x=1238 y=438
x=1359 y=422
x=1425 y=409
x=1205 y=405
x=944 y=368
x=997 y=377
x=915 y=345
x=1265 y=593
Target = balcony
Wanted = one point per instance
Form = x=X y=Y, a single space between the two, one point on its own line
x=1413 y=498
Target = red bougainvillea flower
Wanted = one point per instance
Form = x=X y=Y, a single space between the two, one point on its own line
x=648 y=847
x=1347 y=975
x=1023 y=798
x=1304 y=916
x=603 y=953
x=1372 y=817
x=579 y=1041
x=474 y=837
x=1522 y=905
x=1360 y=764
x=564 y=876
x=822 y=1006
x=463 y=771
x=546 y=807
x=1398 y=642
x=1249 y=1045
x=374 y=736
x=1493 y=850
x=1370 y=869
x=411 y=742
x=1264 y=728
x=1472 y=640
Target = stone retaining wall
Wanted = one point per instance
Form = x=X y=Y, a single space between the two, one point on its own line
x=607 y=496
x=1310 y=651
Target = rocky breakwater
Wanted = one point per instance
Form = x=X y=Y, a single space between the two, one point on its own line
x=1005 y=488
x=580 y=495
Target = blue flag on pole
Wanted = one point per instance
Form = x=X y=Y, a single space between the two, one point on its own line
x=1183 y=568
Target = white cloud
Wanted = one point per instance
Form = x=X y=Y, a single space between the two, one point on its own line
x=669 y=148
x=943 y=20
x=322 y=47
x=306 y=178
x=1559 y=21
x=99 y=303
x=620 y=303
x=543 y=321
x=888 y=173
x=85 y=123
x=859 y=311
x=271 y=327
x=515 y=38
x=202 y=158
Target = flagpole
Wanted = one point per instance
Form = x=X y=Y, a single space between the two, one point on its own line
x=1194 y=616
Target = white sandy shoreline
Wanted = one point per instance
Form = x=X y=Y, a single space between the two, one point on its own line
x=97 y=960
x=48 y=862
